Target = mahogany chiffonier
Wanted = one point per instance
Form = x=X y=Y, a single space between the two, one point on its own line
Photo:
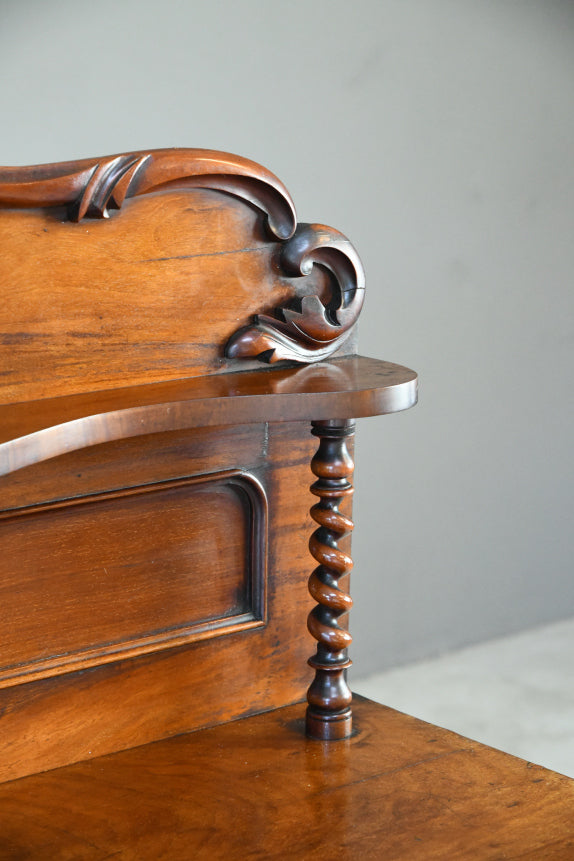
x=178 y=363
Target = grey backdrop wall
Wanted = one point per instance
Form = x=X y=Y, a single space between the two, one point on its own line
x=438 y=134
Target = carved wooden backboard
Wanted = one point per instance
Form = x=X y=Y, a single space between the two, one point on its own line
x=154 y=584
x=154 y=517
x=203 y=263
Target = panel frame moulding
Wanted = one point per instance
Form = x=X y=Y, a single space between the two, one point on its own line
x=256 y=525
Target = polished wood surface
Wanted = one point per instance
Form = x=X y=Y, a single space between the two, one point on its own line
x=91 y=187
x=329 y=713
x=134 y=620
x=152 y=293
x=154 y=523
x=154 y=483
x=154 y=516
x=204 y=261
x=344 y=388
x=310 y=329
x=399 y=789
x=122 y=573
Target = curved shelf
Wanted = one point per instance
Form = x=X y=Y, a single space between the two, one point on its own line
x=346 y=388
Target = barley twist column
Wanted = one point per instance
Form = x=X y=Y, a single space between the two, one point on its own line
x=329 y=697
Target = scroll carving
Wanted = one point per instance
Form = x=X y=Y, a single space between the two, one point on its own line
x=329 y=697
x=306 y=329
x=91 y=187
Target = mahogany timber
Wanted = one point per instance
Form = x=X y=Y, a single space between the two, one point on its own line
x=154 y=480
x=329 y=713
x=134 y=549
x=205 y=241
x=399 y=789
x=153 y=526
x=152 y=293
x=91 y=680
x=311 y=329
x=346 y=388
x=90 y=187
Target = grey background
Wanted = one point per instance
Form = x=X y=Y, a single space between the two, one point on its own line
x=438 y=135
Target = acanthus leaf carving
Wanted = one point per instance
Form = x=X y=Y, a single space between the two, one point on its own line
x=90 y=187
x=108 y=186
x=308 y=330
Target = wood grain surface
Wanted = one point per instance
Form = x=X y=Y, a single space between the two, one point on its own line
x=116 y=702
x=123 y=573
x=90 y=188
x=153 y=293
x=205 y=262
x=399 y=789
x=154 y=522
x=345 y=388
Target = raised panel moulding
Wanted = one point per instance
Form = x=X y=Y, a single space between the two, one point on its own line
x=125 y=573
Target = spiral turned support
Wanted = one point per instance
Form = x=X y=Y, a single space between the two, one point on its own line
x=329 y=697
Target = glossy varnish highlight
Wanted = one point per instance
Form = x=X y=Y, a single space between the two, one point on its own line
x=154 y=533
x=257 y=789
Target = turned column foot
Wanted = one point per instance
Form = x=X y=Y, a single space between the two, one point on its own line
x=329 y=697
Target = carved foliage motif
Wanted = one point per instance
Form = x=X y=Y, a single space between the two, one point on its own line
x=306 y=330
x=309 y=331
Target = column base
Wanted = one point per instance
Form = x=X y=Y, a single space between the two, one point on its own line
x=328 y=727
